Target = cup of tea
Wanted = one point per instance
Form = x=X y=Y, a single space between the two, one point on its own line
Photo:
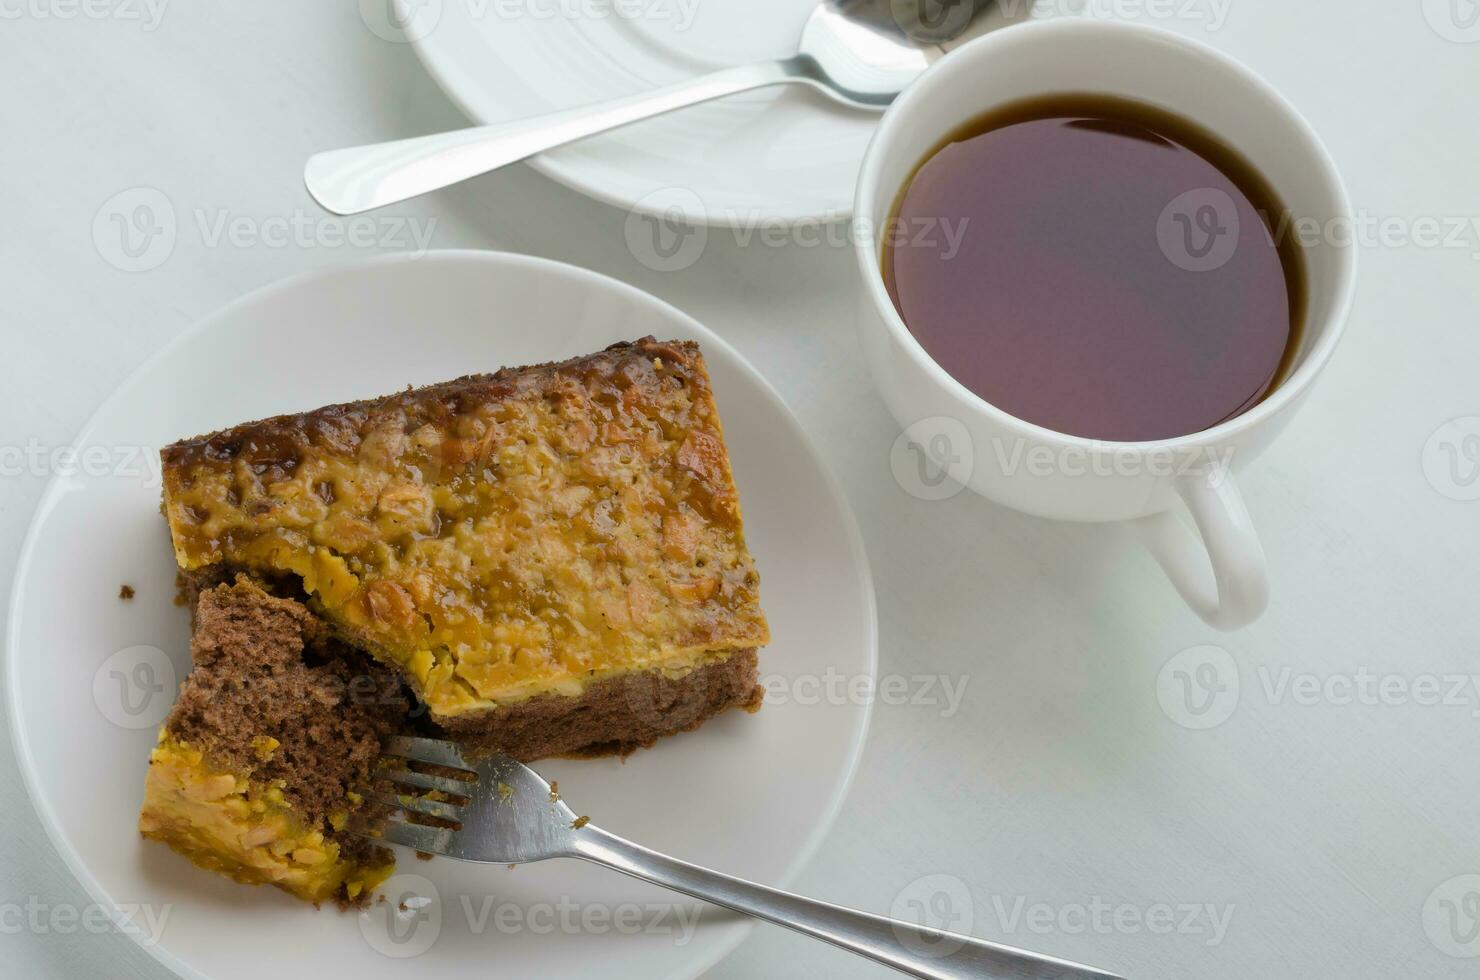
x=1103 y=265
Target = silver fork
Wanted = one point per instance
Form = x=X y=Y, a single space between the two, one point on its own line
x=511 y=816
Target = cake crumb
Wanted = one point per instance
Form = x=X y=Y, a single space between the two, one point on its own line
x=554 y=791
x=125 y=592
x=580 y=822
x=505 y=792
x=424 y=856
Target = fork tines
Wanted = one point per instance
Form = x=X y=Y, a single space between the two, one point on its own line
x=431 y=751
x=423 y=822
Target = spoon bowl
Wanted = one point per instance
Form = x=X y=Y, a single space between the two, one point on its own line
x=859 y=53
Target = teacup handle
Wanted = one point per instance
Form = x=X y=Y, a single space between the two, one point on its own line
x=1239 y=591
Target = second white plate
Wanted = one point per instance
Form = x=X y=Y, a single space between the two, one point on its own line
x=782 y=154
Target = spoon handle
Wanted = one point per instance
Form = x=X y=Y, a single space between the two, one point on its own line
x=911 y=949
x=361 y=178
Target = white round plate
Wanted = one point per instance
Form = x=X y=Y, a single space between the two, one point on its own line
x=781 y=154
x=89 y=676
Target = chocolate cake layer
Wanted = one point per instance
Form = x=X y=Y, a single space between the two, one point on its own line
x=265 y=667
x=615 y=716
x=260 y=761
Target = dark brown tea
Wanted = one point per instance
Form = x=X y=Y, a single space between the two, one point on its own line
x=1098 y=267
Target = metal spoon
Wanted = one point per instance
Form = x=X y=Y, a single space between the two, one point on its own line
x=861 y=52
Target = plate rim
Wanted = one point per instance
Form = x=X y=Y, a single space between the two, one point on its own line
x=21 y=742
x=571 y=176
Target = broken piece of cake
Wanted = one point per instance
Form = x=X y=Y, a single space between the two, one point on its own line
x=256 y=767
x=551 y=557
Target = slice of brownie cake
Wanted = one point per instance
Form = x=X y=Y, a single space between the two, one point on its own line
x=553 y=556
x=257 y=765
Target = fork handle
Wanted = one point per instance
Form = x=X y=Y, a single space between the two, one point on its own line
x=911 y=949
x=361 y=178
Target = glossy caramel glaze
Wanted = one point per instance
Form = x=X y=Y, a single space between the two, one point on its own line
x=498 y=536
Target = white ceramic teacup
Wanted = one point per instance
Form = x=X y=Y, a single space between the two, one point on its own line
x=1048 y=473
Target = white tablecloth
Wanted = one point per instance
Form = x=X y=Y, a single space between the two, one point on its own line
x=1316 y=832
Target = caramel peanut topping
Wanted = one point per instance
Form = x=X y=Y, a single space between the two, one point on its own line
x=497 y=536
